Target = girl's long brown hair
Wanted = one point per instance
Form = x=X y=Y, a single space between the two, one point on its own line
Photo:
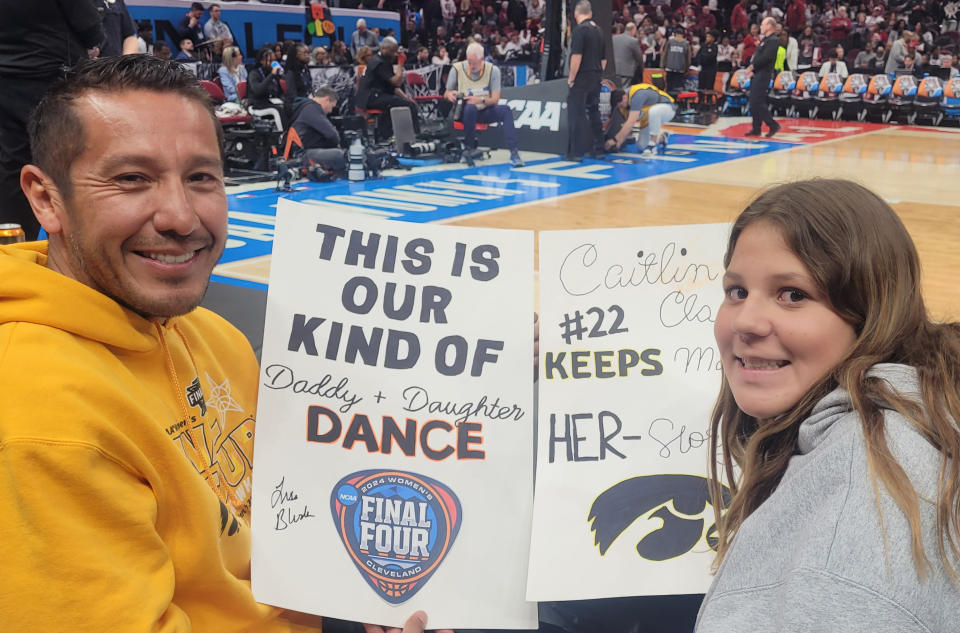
x=861 y=255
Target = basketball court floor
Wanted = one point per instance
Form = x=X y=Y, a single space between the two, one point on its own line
x=707 y=175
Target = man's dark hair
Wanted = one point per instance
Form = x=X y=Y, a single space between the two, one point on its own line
x=144 y=26
x=326 y=91
x=615 y=97
x=56 y=131
x=159 y=46
x=212 y=6
x=196 y=5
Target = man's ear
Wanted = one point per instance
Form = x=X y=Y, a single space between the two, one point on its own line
x=44 y=196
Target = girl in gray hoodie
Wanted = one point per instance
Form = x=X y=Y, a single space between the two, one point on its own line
x=836 y=419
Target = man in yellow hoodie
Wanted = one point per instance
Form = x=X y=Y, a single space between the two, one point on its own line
x=126 y=431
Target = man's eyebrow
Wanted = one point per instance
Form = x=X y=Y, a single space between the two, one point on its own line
x=140 y=160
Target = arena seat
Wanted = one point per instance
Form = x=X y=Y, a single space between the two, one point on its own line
x=216 y=94
x=927 y=104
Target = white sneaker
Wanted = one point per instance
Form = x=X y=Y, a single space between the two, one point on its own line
x=650 y=152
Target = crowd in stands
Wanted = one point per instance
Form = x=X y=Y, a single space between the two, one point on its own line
x=916 y=36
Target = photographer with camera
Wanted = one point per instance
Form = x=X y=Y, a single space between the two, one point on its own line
x=477 y=83
x=321 y=141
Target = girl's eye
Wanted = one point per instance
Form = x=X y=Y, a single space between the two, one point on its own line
x=736 y=293
x=792 y=295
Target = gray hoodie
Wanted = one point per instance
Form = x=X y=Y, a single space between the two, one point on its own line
x=811 y=557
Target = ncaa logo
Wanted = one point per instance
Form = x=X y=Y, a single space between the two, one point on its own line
x=397 y=528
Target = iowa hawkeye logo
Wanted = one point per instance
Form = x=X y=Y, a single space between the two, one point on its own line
x=397 y=528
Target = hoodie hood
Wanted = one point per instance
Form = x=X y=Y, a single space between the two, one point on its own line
x=837 y=403
x=33 y=293
x=299 y=104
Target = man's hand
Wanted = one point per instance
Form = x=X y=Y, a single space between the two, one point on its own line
x=570 y=81
x=416 y=624
x=451 y=96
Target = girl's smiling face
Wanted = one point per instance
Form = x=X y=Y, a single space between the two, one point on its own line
x=776 y=331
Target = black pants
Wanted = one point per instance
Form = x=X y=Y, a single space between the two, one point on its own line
x=759 y=86
x=583 y=115
x=18 y=97
x=385 y=102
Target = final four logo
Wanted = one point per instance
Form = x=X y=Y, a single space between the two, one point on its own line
x=397 y=528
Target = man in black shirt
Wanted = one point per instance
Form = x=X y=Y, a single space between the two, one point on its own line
x=37 y=40
x=380 y=88
x=587 y=61
x=189 y=27
x=761 y=71
x=119 y=28
x=321 y=141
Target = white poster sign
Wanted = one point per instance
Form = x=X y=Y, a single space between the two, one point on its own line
x=629 y=373
x=393 y=463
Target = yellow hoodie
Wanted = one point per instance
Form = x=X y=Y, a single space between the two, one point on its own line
x=125 y=453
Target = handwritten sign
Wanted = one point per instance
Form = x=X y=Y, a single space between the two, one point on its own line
x=629 y=372
x=394 y=457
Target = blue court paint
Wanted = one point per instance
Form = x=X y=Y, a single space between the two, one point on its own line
x=434 y=196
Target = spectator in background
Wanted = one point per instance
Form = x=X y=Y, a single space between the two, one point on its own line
x=706 y=21
x=865 y=59
x=32 y=54
x=363 y=37
x=876 y=16
x=738 y=19
x=319 y=56
x=796 y=16
x=216 y=29
x=675 y=59
x=725 y=55
x=780 y=64
x=441 y=57
x=898 y=52
x=517 y=14
x=793 y=51
x=946 y=61
x=186 y=51
x=297 y=77
x=120 y=30
x=364 y=53
x=707 y=60
x=839 y=27
x=263 y=88
x=770 y=10
x=162 y=50
x=231 y=72
x=535 y=9
x=340 y=54
x=834 y=65
x=449 y=10
x=422 y=59
x=910 y=66
x=627 y=55
x=750 y=43
x=189 y=26
x=809 y=51
x=145 y=37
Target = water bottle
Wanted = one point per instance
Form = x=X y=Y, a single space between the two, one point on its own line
x=276 y=65
x=356 y=159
